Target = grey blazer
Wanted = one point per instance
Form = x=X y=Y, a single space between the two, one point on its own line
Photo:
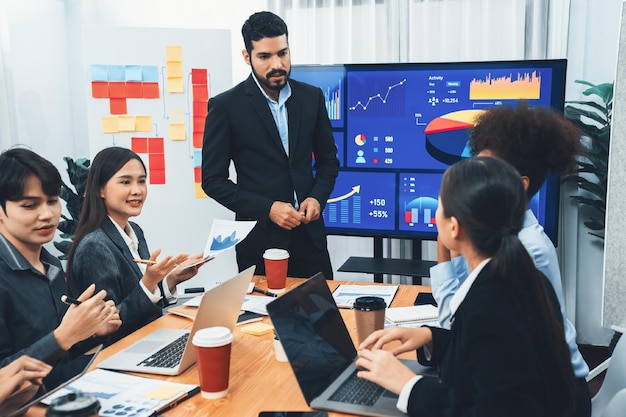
x=103 y=258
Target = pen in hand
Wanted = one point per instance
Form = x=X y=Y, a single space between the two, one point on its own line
x=69 y=300
x=269 y=294
x=144 y=261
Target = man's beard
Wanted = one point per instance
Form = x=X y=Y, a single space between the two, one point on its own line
x=265 y=81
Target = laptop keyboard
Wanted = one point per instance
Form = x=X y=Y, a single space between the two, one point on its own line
x=357 y=390
x=169 y=356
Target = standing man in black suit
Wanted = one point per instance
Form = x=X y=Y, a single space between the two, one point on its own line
x=278 y=135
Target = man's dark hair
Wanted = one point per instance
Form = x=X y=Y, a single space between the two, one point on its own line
x=534 y=140
x=262 y=25
x=17 y=165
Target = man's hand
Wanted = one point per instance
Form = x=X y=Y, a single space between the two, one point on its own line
x=285 y=216
x=309 y=210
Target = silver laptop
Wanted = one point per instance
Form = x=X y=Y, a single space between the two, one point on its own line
x=322 y=354
x=170 y=351
x=62 y=374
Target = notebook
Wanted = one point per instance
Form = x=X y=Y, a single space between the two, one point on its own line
x=61 y=375
x=322 y=354
x=422 y=313
x=220 y=306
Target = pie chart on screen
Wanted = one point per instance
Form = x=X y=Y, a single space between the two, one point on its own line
x=446 y=135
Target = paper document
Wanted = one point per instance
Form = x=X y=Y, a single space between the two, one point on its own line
x=257 y=303
x=135 y=395
x=345 y=294
x=224 y=235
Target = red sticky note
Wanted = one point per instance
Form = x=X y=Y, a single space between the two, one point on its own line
x=197 y=174
x=117 y=105
x=117 y=89
x=157 y=176
x=199 y=108
x=155 y=145
x=150 y=90
x=156 y=161
x=139 y=145
x=197 y=139
x=198 y=76
x=198 y=124
x=100 y=89
x=200 y=92
x=134 y=90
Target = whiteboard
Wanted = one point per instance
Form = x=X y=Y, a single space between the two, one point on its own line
x=174 y=219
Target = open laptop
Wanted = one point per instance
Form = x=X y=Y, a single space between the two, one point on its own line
x=170 y=351
x=61 y=375
x=322 y=354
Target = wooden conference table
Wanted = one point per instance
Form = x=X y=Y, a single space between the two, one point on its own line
x=258 y=382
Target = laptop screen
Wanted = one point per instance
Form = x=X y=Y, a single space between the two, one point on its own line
x=313 y=335
x=61 y=375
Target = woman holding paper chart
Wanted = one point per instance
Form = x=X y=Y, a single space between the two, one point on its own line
x=107 y=246
x=505 y=354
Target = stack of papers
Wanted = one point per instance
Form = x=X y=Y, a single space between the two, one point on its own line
x=345 y=294
x=130 y=394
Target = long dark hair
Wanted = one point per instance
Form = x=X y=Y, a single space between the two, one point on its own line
x=487 y=197
x=94 y=212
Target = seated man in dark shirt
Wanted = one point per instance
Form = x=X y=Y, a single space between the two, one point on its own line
x=33 y=319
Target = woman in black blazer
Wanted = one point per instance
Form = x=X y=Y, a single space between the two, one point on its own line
x=505 y=354
x=106 y=243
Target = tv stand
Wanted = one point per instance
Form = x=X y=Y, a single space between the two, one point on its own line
x=377 y=265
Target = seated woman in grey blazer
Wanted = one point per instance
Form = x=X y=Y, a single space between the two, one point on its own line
x=504 y=354
x=106 y=243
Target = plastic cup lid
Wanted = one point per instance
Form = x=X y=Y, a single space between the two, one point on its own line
x=369 y=303
x=212 y=337
x=275 y=254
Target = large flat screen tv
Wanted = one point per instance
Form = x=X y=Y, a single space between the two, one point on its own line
x=399 y=126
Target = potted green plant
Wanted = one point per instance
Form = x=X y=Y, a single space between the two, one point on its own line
x=77 y=172
x=594 y=118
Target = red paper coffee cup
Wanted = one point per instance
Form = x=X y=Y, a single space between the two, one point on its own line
x=212 y=346
x=276 y=264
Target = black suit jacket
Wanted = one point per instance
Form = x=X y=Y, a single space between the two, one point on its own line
x=489 y=364
x=240 y=127
x=103 y=258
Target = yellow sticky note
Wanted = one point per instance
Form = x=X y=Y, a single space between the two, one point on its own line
x=143 y=124
x=177 y=132
x=163 y=392
x=199 y=192
x=173 y=53
x=110 y=125
x=177 y=116
x=258 y=328
x=175 y=69
x=175 y=85
x=126 y=123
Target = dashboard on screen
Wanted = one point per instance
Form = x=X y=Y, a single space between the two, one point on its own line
x=398 y=127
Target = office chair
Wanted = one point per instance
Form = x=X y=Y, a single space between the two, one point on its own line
x=614 y=381
x=617 y=406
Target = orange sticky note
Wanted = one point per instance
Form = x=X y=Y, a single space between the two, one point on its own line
x=257 y=329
